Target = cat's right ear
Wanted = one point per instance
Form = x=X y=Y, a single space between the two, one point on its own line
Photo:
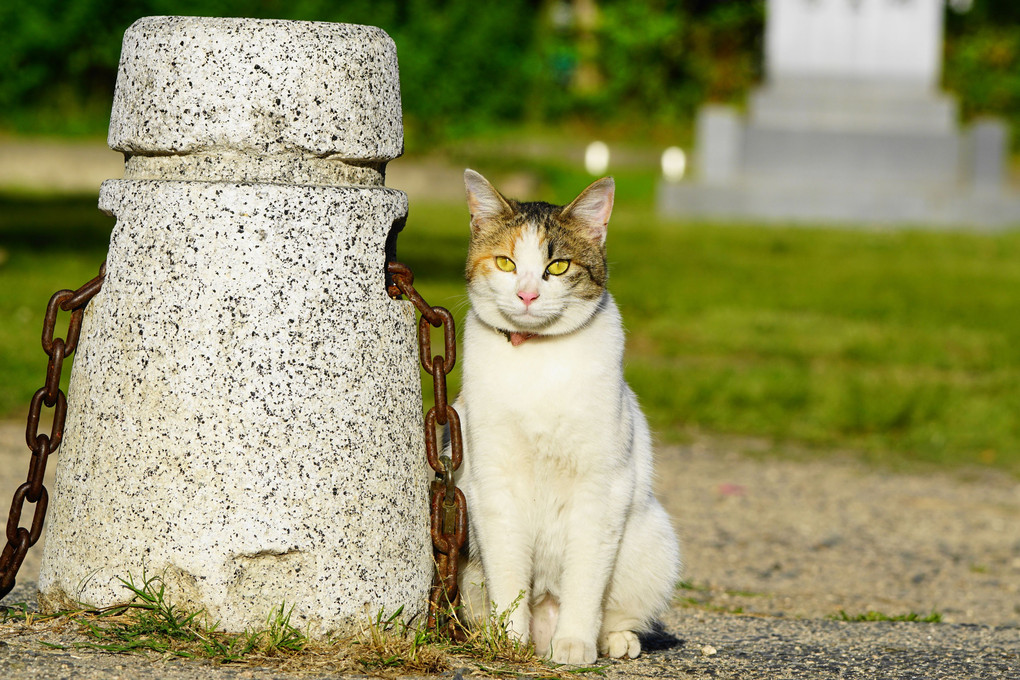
x=485 y=203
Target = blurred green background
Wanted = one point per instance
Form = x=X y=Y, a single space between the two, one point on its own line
x=901 y=346
x=468 y=67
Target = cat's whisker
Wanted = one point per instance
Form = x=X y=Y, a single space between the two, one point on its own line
x=462 y=303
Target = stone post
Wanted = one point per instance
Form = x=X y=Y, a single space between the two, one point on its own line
x=719 y=131
x=988 y=155
x=245 y=407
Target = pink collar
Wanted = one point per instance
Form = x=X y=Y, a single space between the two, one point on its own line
x=516 y=339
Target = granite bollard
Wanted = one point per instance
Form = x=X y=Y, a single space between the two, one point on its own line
x=244 y=408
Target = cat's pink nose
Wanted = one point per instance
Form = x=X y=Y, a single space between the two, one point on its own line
x=527 y=297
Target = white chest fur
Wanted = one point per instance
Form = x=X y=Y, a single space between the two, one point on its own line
x=550 y=394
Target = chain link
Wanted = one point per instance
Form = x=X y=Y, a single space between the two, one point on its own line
x=19 y=538
x=448 y=506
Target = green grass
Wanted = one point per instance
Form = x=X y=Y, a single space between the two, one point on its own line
x=904 y=345
x=901 y=342
x=45 y=245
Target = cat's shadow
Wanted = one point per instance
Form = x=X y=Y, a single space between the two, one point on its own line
x=658 y=639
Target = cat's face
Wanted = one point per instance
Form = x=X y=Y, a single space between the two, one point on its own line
x=536 y=267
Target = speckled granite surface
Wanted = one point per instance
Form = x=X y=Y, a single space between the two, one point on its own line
x=246 y=414
x=187 y=84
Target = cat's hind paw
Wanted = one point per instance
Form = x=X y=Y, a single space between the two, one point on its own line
x=620 y=643
x=573 y=651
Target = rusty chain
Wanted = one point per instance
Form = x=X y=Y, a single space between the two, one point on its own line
x=448 y=505
x=19 y=538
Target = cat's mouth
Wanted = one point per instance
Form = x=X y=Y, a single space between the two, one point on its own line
x=527 y=320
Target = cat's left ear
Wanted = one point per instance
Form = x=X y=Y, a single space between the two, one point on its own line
x=592 y=208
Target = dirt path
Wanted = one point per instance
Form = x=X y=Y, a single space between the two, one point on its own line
x=789 y=544
x=813 y=538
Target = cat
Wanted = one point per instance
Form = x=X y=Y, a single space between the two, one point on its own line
x=557 y=468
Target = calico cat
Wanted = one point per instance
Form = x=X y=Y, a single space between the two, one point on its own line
x=557 y=466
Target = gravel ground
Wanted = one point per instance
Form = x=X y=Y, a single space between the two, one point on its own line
x=696 y=644
x=812 y=537
x=776 y=549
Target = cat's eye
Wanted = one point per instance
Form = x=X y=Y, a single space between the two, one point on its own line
x=505 y=263
x=557 y=267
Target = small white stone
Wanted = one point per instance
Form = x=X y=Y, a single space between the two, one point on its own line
x=674 y=164
x=709 y=650
x=596 y=158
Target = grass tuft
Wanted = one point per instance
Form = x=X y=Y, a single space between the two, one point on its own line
x=489 y=642
x=701 y=596
x=149 y=622
x=934 y=617
x=390 y=643
x=279 y=636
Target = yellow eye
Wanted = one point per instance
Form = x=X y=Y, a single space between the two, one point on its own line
x=558 y=267
x=505 y=263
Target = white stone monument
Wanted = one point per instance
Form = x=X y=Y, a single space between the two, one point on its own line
x=862 y=40
x=244 y=409
x=849 y=126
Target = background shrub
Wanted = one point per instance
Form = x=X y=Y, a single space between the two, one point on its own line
x=468 y=66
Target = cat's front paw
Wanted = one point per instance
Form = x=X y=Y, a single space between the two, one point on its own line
x=573 y=651
x=620 y=643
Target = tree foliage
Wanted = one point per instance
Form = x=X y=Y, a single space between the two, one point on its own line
x=982 y=65
x=460 y=64
x=467 y=65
